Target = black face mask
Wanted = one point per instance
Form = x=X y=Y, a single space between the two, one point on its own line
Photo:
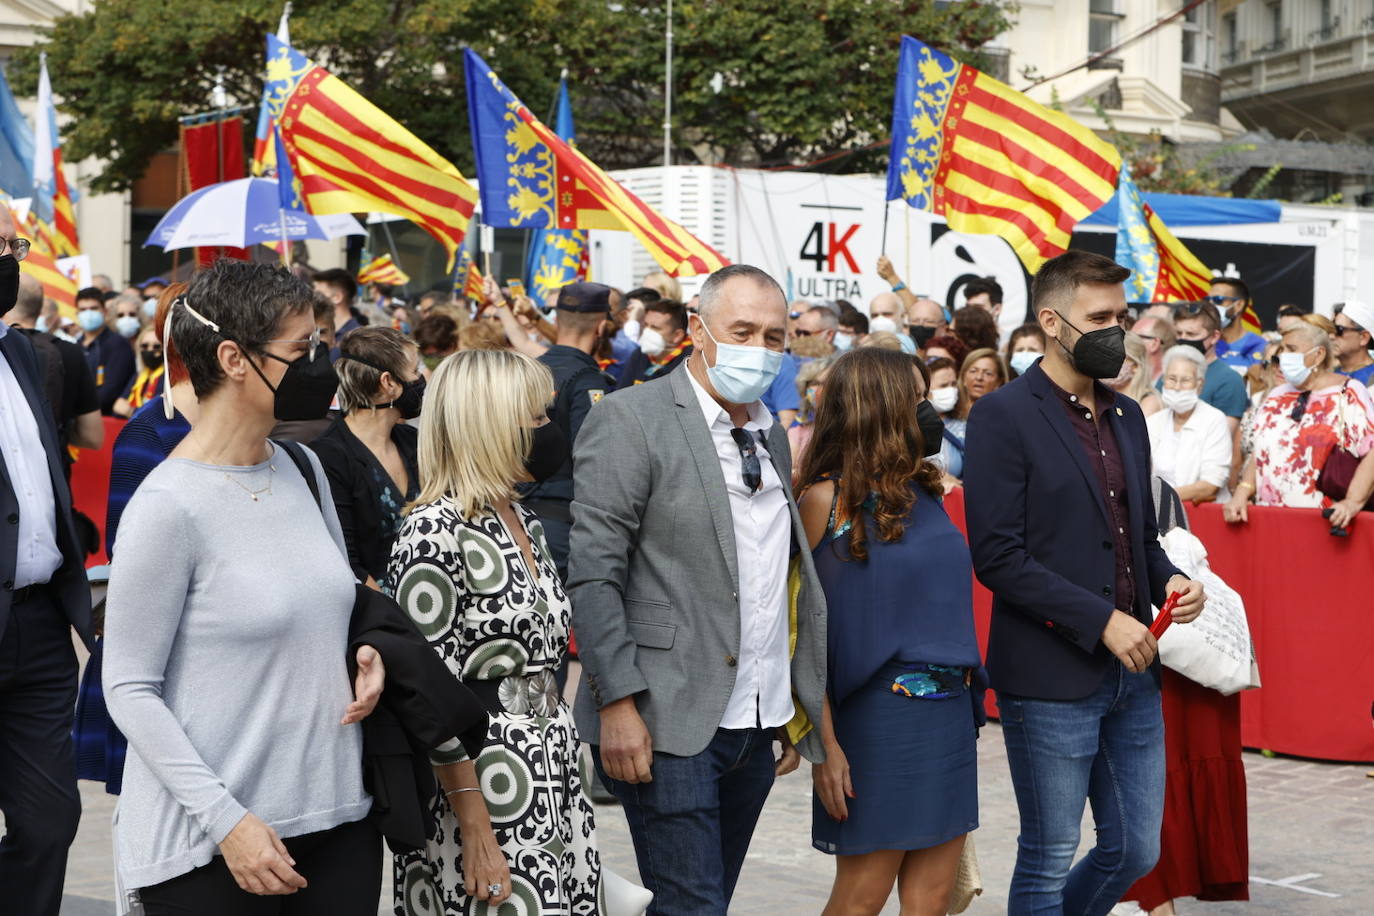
x=921 y=335
x=932 y=428
x=548 y=452
x=1097 y=354
x=1198 y=345
x=151 y=358
x=410 y=401
x=9 y=283
x=306 y=388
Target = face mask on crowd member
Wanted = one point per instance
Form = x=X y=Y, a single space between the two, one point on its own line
x=90 y=315
x=843 y=341
x=1097 y=354
x=305 y=389
x=548 y=452
x=1198 y=326
x=1182 y=381
x=1294 y=366
x=751 y=313
x=932 y=427
x=944 y=398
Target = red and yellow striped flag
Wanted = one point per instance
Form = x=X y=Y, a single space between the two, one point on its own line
x=47 y=167
x=348 y=155
x=41 y=261
x=383 y=270
x=989 y=159
x=533 y=178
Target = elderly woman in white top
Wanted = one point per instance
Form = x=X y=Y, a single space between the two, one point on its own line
x=1190 y=440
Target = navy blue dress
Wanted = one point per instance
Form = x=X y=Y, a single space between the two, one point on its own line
x=902 y=654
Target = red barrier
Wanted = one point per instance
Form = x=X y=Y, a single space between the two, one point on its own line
x=1309 y=598
x=91 y=484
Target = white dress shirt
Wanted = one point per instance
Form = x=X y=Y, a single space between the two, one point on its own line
x=1201 y=450
x=763 y=539
x=26 y=463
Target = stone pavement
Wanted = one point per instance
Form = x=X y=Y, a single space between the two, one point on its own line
x=1306 y=819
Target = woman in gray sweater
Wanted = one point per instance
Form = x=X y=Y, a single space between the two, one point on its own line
x=226 y=635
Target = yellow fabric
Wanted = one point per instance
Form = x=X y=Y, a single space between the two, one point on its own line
x=800 y=726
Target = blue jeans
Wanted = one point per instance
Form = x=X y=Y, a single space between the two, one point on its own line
x=692 y=825
x=1107 y=748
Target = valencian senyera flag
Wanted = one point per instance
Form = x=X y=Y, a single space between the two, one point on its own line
x=532 y=179
x=557 y=256
x=989 y=159
x=383 y=269
x=1162 y=267
x=467 y=279
x=48 y=177
x=348 y=155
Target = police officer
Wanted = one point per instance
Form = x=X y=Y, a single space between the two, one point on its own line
x=584 y=317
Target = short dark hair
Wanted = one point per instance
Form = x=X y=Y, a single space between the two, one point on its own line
x=1235 y=283
x=676 y=312
x=984 y=285
x=1292 y=311
x=855 y=320
x=437 y=332
x=248 y=301
x=1203 y=311
x=340 y=281
x=92 y=293
x=644 y=294
x=1059 y=278
x=323 y=309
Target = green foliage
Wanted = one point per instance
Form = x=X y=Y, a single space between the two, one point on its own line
x=1265 y=180
x=1156 y=165
x=797 y=79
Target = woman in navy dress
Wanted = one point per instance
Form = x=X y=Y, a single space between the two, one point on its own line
x=899 y=789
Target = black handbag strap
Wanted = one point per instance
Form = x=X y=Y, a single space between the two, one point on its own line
x=302 y=463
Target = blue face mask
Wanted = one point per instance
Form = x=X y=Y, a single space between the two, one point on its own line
x=742 y=374
x=90 y=319
x=1022 y=360
x=843 y=342
x=149 y=307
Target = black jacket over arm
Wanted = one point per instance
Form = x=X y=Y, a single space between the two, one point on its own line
x=1038 y=531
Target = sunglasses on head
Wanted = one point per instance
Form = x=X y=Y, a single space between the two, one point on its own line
x=1222 y=300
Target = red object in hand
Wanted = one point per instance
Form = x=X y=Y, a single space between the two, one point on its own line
x=1166 y=615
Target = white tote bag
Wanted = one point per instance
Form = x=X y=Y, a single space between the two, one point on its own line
x=1215 y=649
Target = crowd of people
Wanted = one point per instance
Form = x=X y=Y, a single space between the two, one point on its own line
x=737 y=501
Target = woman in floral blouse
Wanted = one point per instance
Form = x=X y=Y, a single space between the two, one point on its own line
x=1301 y=424
x=471 y=568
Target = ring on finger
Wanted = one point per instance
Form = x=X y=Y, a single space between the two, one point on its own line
x=494 y=889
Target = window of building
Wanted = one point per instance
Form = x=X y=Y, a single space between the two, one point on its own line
x=1274 y=13
x=1104 y=21
x=1230 y=37
x=1200 y=36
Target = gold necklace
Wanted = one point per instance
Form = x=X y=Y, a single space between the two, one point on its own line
x=265 y=491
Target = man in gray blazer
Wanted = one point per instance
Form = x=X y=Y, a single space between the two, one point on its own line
x=684 y=526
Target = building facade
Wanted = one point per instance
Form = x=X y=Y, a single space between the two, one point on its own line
x=1147 y=67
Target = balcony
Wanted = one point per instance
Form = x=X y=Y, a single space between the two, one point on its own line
x=1326 y=32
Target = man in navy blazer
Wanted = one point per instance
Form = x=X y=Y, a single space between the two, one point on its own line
x=43 y=595
x=1061 y=524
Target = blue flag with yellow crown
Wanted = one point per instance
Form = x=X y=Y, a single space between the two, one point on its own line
x=1162 y=267
x=557 y=256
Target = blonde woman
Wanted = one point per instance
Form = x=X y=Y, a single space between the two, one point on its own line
x=473 y=571
x=1134 y=378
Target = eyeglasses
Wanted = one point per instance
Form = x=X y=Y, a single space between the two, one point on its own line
x=1188 y=308
x=1222 y=300
x=749 y=459
x=17 y=247
x=1342 y=329
x=313 y=341
x=1300 y=407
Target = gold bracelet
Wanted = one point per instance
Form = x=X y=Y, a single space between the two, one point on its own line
x=1245 y=483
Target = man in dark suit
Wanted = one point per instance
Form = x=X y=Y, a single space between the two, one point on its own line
x=1062 y=527
x=43 y=593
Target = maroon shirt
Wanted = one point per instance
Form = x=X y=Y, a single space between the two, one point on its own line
x=1104 y=455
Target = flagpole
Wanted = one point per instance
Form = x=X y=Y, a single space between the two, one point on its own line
x=668 y=90
x=887 y=205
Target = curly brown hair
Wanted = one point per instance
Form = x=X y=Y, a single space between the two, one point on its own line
x=866 y=434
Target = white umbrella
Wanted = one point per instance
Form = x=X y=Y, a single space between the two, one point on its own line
x=242 y=213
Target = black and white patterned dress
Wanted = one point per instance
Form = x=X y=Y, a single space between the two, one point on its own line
x=466 y=585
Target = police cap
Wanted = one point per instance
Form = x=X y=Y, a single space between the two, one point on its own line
x=586 y=298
